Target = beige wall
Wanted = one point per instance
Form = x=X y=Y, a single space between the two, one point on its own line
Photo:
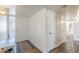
x=58 y=30
x=22 y=29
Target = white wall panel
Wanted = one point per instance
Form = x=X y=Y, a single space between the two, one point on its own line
x=38 y=30
x=22 y=29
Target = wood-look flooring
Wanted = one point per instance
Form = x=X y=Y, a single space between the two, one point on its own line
x=63 y=49
x=27 y=47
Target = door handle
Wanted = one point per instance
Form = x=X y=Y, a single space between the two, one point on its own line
x=50 y=33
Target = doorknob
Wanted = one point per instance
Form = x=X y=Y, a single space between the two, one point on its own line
x=50 y=33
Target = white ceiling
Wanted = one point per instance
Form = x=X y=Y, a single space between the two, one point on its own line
x=28 y=10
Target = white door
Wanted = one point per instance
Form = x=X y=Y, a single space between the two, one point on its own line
x=51 y=30
x=63 y=29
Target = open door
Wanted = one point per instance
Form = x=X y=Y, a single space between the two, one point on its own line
x=60 y=30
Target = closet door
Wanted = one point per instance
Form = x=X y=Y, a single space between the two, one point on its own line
x=51 y=30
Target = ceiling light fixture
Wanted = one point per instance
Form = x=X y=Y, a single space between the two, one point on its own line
x=3 y=10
